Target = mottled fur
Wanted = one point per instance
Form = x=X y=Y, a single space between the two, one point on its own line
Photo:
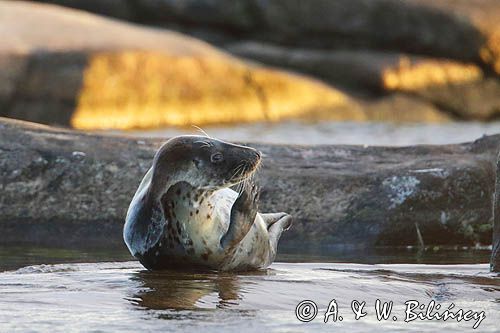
x=185 y=214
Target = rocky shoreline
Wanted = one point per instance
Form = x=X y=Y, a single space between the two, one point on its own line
x=64 y=187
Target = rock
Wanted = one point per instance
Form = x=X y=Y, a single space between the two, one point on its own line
x=121 y=9
x=403 y=108
x=346 y=67
x=11 y=69
x=65 y=187
x=382 y=71
x=495 y=253
x=462 y=29
x=478 y=100
x=459 y=29
x=455 y=87
x=90 y=72
x=230 y=13
x=484 y=15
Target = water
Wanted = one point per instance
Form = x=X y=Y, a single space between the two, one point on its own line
x=372 y=133
x=122 y=297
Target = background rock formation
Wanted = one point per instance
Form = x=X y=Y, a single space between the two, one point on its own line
x=92 y=72
x=461 y=89
x=452 y=47
x=63 y=187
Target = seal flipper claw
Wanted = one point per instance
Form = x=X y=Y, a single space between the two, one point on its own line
x=243 y=213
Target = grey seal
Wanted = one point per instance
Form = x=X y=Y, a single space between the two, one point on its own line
x=185 y=214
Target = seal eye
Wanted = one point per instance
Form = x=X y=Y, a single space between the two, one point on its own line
x=216 y=158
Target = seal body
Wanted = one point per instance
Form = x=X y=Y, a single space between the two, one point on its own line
x=184 y=213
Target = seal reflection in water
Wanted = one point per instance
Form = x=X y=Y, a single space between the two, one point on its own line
x=184 y=213
x=186 y=290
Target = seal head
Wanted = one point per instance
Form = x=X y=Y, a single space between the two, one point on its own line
x=203 y=163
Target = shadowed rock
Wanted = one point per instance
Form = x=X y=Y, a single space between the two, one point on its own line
x=458 y=29
x=65 y=187
x=375 y=70
x=122 y=9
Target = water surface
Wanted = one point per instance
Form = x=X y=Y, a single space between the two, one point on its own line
x=369 y=133
x=123 y=297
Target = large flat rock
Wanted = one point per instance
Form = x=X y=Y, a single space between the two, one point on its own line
x=67 y=187
x=68 y=67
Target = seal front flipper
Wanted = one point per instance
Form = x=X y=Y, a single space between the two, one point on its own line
x=243 y=215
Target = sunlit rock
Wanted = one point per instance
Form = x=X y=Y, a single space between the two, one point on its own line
x=144 y=90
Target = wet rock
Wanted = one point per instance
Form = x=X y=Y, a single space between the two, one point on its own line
x=64 y=187
x=91 y=72
x=495 y=253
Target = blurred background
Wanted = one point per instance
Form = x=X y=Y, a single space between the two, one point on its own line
x=284 y=71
